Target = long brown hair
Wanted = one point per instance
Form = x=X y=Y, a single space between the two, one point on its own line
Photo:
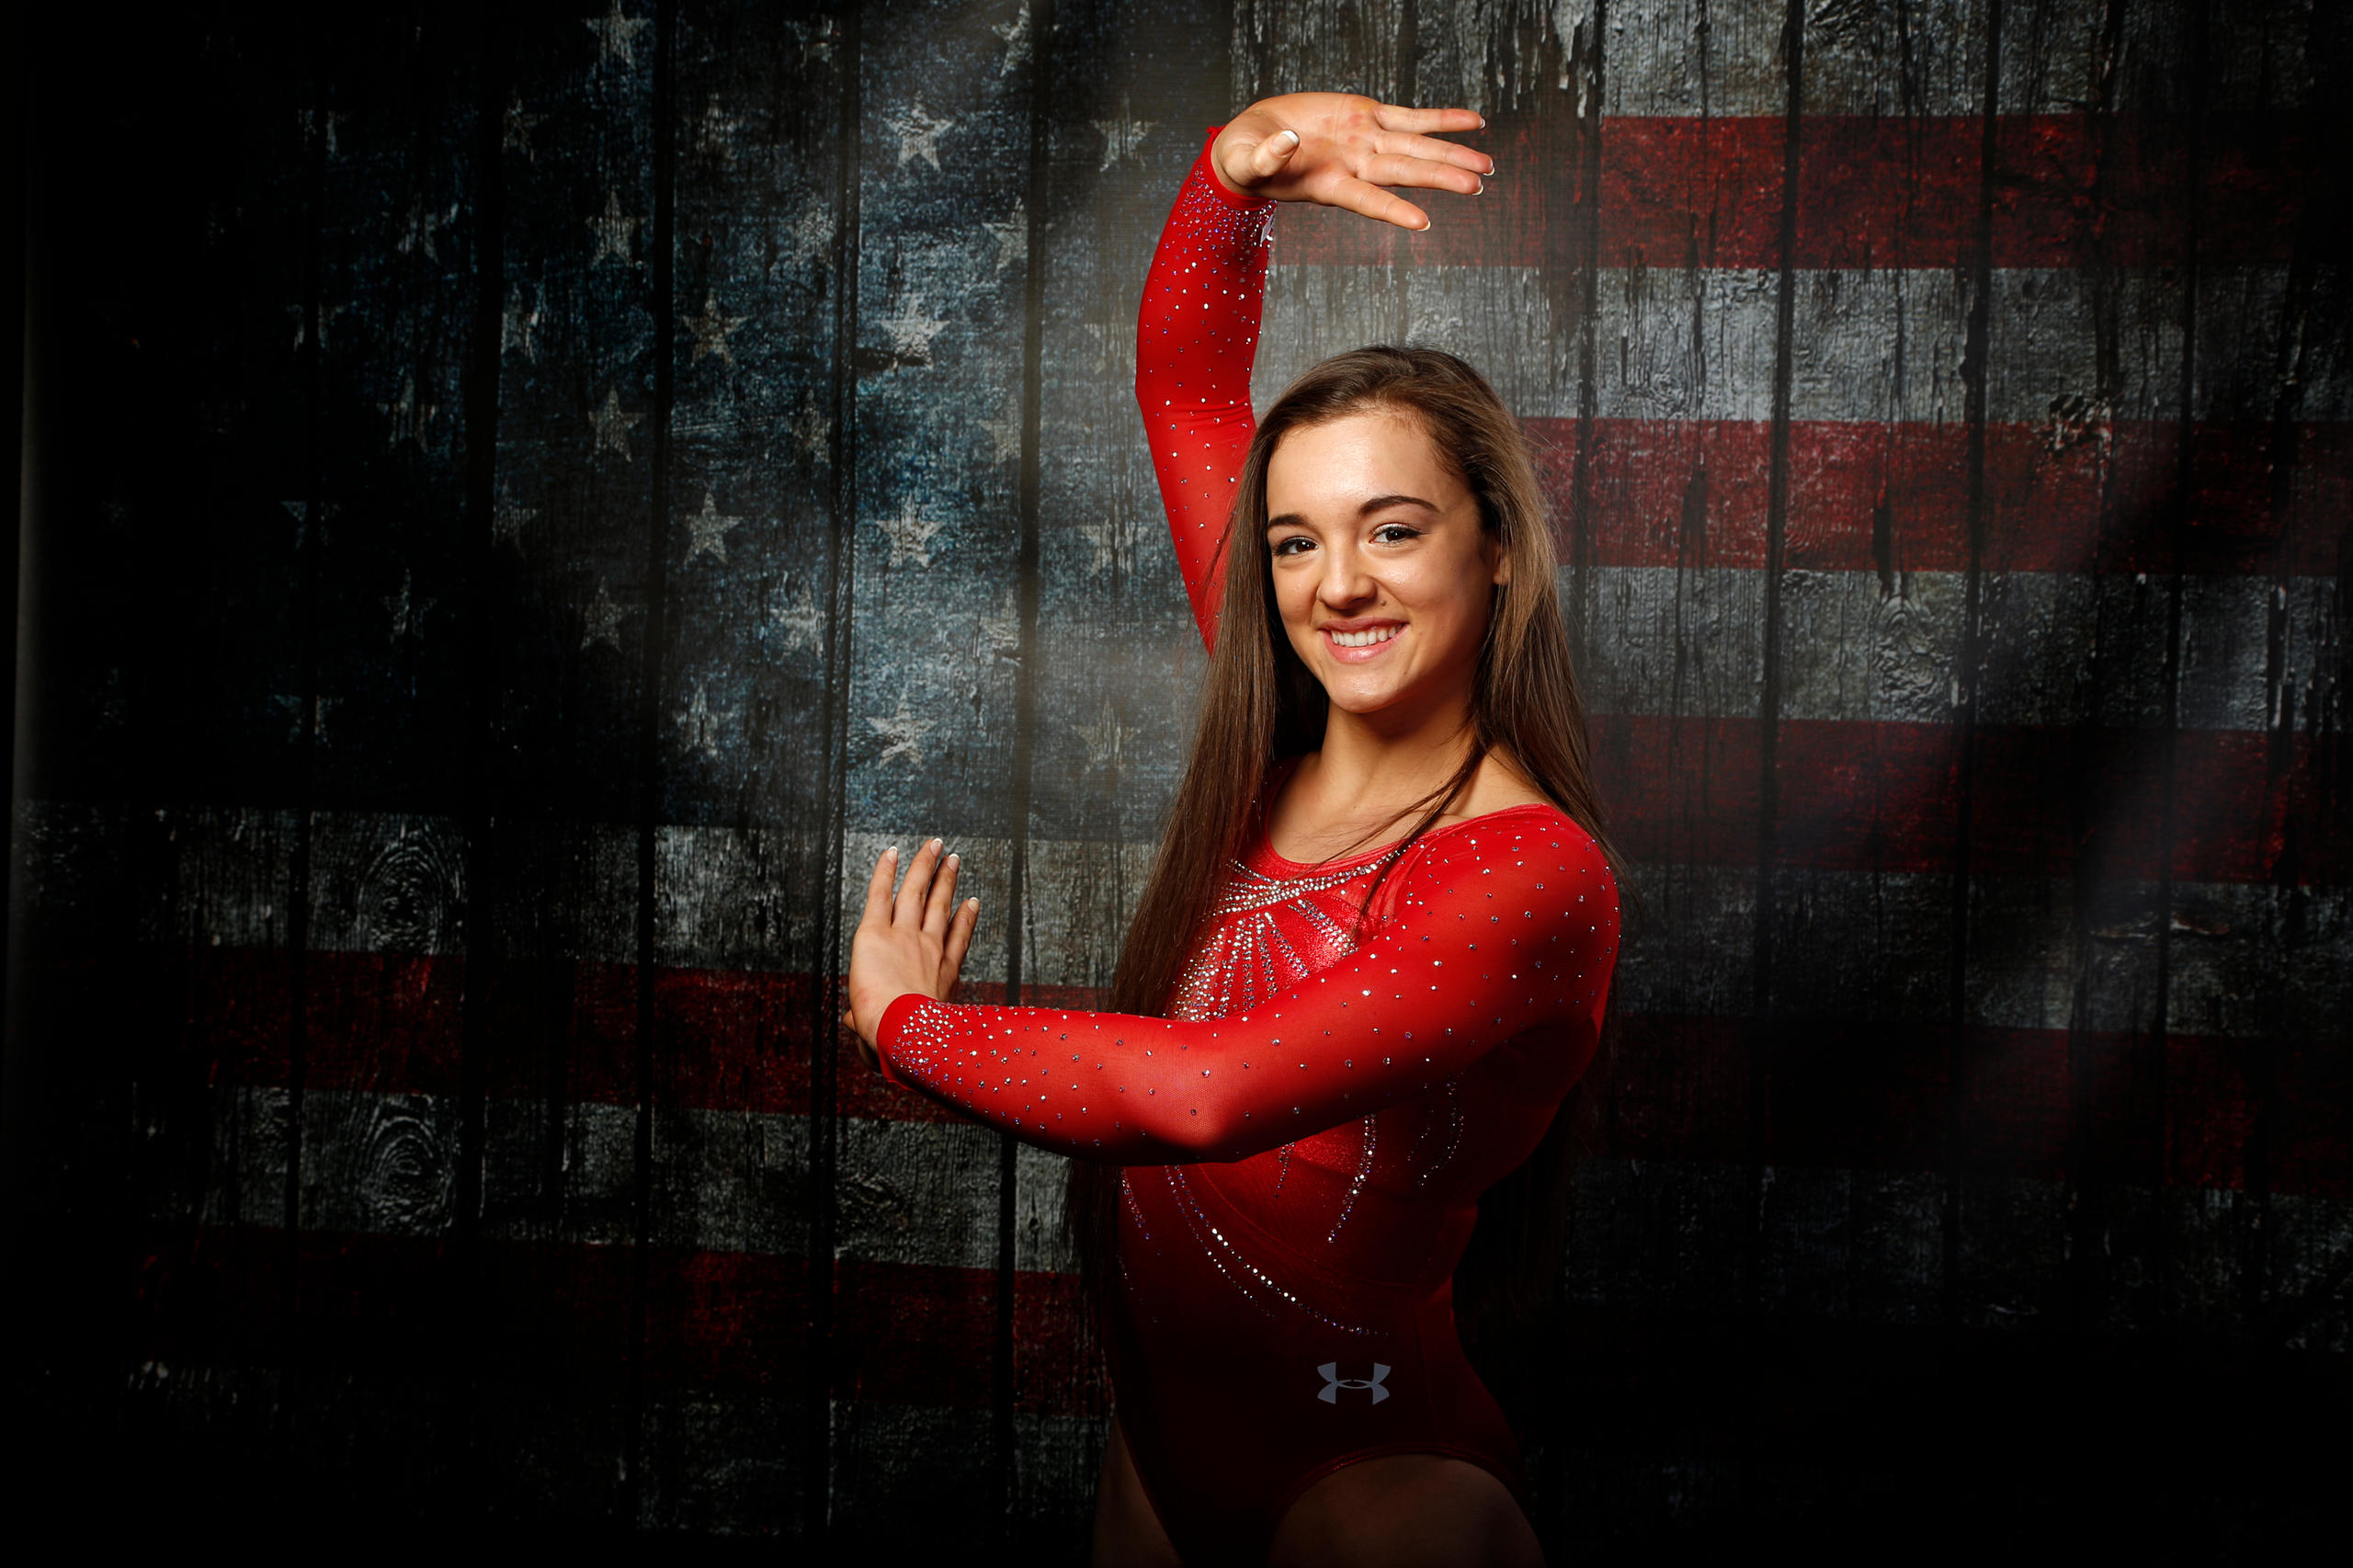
x=1263 y=705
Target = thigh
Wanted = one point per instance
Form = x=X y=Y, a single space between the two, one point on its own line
x=1128 y=1533
x=1417 y=1510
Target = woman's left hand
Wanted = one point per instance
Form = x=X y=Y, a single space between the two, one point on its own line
x=911 y=942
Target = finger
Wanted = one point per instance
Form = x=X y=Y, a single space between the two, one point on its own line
x=960 y=942
x=1268 y=158
x=1436 y=150
x=1421 y=173
x=1402 y=117
x=1374 y=203
x=878 y=890
x=917 y=885
x=942 y=901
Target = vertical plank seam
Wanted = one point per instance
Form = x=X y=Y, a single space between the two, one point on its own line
x=298 y=892
x=1025 y=723
x=652 y=674
x=840 y=582
x=2176 y=521
x=482 y=412
x=1976 y=381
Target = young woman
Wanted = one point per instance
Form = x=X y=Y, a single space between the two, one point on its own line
x=1375 y=949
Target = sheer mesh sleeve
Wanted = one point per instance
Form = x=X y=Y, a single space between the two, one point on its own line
x=1491 y=932
x=1196 y=338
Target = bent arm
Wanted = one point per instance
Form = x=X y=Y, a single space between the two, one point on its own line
x=1497 y=932
x=1196 y=338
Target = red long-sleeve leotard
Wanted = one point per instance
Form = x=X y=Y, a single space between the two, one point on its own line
x=1309 y=1128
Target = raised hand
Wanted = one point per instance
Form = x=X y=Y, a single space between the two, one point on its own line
x=1340 y=149
x=915 y=942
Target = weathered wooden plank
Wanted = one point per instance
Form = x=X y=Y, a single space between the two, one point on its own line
x=566 y=558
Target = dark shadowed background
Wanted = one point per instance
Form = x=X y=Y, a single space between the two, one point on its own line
x=520 y=507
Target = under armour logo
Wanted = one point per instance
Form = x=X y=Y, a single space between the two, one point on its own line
x=1333 y=1382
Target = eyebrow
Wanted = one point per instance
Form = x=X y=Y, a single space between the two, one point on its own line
x=1378 y=504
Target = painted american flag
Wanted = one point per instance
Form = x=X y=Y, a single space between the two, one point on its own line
x=522 y=508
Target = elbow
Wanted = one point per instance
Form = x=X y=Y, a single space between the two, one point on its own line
x=1219 y=1134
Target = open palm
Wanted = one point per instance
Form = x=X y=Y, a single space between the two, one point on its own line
x=1340 y=149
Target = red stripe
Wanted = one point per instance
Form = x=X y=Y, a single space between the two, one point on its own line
x=559 y=1311
x=1883 y=797
x=1846 y=1095
x=2059 y=498
x=2071 y=191
x=390 y=1023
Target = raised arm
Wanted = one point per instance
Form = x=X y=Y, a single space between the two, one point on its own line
x=1197 y=337
x=1496 y=930
x=1197 y=333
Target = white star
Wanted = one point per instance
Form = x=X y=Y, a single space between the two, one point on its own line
x=811 y=234
x=710 y=531
x=803 y=624
x=1015 y=34
x=1105 y=739
x=816 y=43
x=320 y=708
x=812 y=428
x=614 y=230
x=519 y=329
x=912 y=332
x=715 y=132
x=920 y=135
x=903 y=732
x=712 y=329
x=602 y=620
x=1012 y=241
x=507 y=520
x=519 y=127
x=408 y=413
x=1007 y=432
x=1109 y=537
x=1002 y=631
x=419 y=236
x=612 y=426
x=408 y=614
x=910 y=536
x=1112 y=344
x=302 y=321
x=702 y=723
x=1121 y=136
x=615 y=33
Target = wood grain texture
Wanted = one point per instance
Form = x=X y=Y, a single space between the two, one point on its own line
x=522 y=508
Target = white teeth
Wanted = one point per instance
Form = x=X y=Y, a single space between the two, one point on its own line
x=1364 y=639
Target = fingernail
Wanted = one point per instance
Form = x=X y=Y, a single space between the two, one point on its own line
x=1426 y=223
x=955 y=860
x=1482 y=191
x=939 y=843
x=1292 y=134
x=892 y=853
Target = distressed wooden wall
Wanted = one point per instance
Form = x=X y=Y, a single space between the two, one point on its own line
x=519 y=509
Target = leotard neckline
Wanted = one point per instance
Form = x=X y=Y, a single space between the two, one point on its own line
x=1282 y=868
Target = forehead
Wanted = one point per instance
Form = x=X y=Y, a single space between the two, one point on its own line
x=1342 y=463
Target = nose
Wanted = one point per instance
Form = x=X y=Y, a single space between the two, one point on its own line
x=1346 y=584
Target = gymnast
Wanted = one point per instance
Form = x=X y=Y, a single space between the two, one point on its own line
x=1376 y=946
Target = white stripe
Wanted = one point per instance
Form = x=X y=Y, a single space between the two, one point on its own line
x=1874 y=346
x=1855 y=940
x=1657 y=1236
x=908 y=1192
x=1665 y=642
x=933 y=1202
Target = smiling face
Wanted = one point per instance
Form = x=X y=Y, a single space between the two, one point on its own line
x=1381 y=572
